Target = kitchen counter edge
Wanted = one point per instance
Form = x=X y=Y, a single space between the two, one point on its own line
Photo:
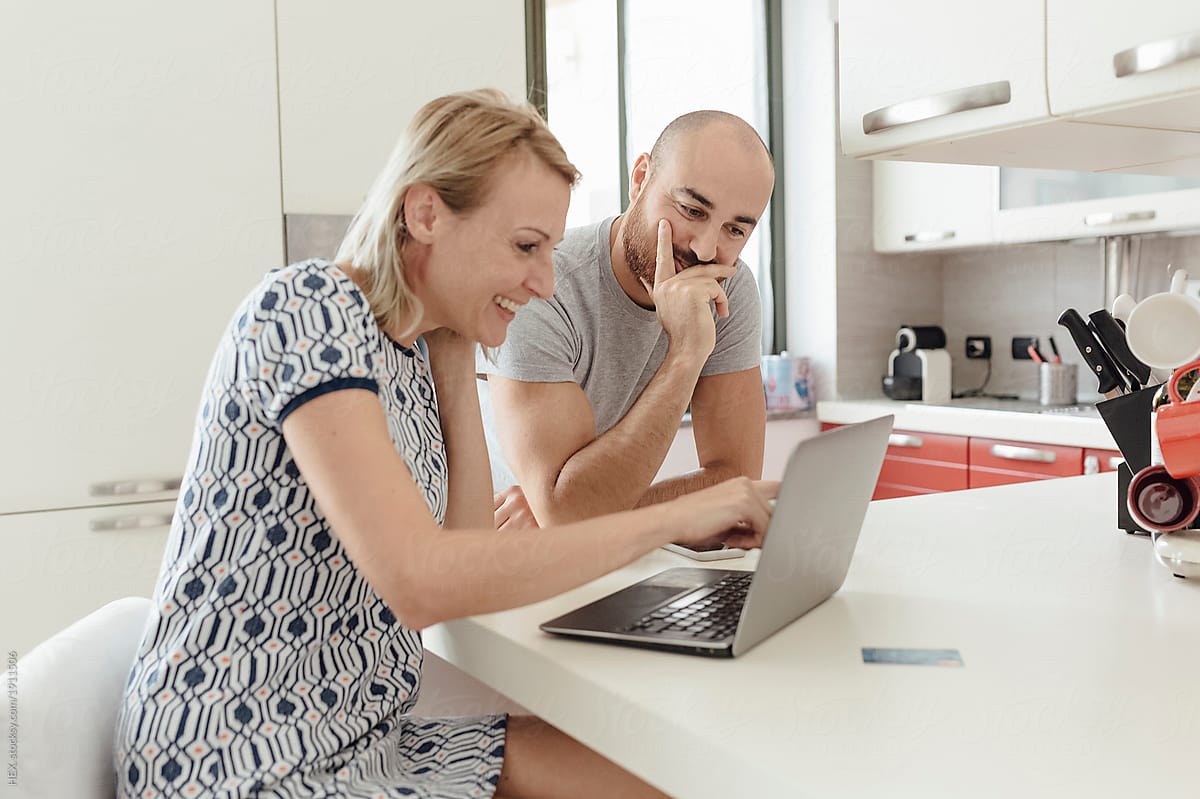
x=1013 y=426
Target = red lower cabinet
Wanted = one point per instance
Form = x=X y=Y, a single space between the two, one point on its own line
x=996 y=462
x=922 y=463
x=1101 y=460
x=928 y=463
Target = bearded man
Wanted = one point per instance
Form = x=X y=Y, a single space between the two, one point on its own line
x=652 y=311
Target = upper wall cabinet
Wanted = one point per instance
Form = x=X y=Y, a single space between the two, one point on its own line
x=1043 y=205
x=1140 y=67
x=928 y=70
x=947 y=206
x=933 y=206
x=1053 y=84
x=351 y=75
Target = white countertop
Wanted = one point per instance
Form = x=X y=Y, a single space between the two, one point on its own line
x=1081 y=671
x=1016 y=420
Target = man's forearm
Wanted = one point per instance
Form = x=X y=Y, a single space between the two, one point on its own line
x=613 y=471
x=673 y=487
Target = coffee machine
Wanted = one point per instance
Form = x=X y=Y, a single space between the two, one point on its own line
x=919 y=367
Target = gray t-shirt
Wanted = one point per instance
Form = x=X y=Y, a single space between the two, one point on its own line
x=592 y=334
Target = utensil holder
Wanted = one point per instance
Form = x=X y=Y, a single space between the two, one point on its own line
x=1057 y=383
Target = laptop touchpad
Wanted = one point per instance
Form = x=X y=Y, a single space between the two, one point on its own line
x=649 y=596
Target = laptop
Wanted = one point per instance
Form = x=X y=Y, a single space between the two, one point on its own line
x=822 y=501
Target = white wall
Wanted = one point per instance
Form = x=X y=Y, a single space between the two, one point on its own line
x=352 y=73
x=810 y=185
x=844 y=301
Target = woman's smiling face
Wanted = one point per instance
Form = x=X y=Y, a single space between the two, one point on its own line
x=485 y=264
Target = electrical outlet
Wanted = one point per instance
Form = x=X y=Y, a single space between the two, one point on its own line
x=979 y=346
x=1020 y=347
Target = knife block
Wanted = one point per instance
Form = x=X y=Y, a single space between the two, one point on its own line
x=1128 y=420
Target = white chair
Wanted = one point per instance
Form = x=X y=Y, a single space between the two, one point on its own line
x=68 y=690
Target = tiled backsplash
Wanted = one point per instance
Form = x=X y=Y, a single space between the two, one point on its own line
x=1018 y=290
x=876 y=294
x=313 y=235
x=1021 y=290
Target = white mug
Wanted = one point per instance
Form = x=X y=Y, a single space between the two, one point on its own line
x=1163 y=330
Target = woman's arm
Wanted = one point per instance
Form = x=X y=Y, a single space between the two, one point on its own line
x=452 y=363
x=427 y=575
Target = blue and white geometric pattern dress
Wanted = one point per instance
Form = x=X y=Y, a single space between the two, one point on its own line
x=270 y=667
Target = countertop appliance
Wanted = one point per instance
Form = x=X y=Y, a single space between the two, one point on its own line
x=919 y=367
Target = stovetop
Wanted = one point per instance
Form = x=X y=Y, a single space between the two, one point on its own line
x=1082 y=410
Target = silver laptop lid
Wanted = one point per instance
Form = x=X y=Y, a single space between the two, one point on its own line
x=823 y=499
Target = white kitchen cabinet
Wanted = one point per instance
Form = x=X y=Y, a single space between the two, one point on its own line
x=352 y=74
x=140 y=167
x=1033 y=205
x=911 y=75
x=948 y=68
x=1154 y=44
x=920 y=206
x=932 y=206
x=58 y=566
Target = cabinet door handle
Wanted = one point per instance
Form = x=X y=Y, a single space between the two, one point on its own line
x=1115 y=461
x=134 y=521
x=1110 y=218
x=1091 y=465
x=930 y=235
x=121 y=488
x=905 y=440
x=1009 y=452
x=984 y=95
x=1156 y=55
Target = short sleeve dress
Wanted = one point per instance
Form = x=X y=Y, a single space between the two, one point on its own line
x=269 y=667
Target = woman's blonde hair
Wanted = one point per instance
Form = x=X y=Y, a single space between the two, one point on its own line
x=452 y=145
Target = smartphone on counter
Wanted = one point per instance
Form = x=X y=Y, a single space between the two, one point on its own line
x=717 y=551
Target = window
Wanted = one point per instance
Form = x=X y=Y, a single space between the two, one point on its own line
x=614 y=74
x=583 y=102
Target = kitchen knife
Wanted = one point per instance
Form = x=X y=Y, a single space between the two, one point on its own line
x=1112 y=338
x=1111 y=382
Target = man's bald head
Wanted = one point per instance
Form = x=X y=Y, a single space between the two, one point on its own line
x=693 y=123
x=710 y=176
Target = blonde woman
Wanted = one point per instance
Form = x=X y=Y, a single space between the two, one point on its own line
x=338 y=500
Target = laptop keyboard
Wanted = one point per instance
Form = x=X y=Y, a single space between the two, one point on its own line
x=711 y=613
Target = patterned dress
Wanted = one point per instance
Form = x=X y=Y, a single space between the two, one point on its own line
x=270 y=667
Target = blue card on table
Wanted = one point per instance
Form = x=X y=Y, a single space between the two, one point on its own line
x=912 y=657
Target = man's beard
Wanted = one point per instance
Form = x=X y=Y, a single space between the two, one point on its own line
x=640 y=242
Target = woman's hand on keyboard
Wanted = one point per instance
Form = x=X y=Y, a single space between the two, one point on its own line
x=736 y=511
